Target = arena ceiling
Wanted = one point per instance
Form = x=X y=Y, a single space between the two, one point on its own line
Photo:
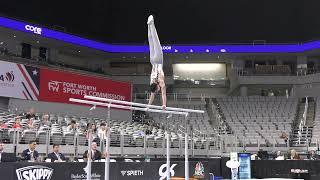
x=178 y=22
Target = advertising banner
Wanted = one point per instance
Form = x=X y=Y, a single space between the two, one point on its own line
x=59 y=86
x=19 y=81
x=118 y=171
x=33 y=83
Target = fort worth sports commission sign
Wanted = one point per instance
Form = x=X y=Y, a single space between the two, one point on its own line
x=43 y=84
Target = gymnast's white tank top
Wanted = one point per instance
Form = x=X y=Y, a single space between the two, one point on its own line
x=156 y=72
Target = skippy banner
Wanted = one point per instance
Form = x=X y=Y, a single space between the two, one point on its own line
x=32 y=83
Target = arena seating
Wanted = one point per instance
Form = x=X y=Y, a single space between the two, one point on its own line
x=132 y=132
x=259 y=120
x=198 y=122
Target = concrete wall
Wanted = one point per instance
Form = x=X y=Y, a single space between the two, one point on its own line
x=68 y=109
x=197 y=92
x=312 y=78
x=303 y=90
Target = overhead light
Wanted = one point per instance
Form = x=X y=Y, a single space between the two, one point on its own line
x=14 y=36
x=176 y=50
x=38 y=42
x=79 y=51
x=223 y=50
x=1 y=42
x=207 y=50
x=191 y=50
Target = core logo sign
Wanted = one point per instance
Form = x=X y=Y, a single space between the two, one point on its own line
x=34 y=173
x=166 y=47
x=33 y=29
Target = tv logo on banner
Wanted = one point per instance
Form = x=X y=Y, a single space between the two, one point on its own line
x=132 y=173
x=33 y=29
x=162 y=172
x=34 y=173
x=199 y=171
x=7 y=79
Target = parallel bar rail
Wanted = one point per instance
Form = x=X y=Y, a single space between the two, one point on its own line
x=142 y=105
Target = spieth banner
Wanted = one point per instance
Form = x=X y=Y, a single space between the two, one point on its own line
x=19 y=81
x=59 y=86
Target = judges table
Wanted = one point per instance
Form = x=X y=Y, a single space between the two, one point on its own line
x=76 y=171
x=283 y=169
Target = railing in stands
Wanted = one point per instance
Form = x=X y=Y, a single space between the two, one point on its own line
x=170 y=96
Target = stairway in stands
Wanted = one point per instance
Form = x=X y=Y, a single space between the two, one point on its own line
x=218 y=116
x=306 y=133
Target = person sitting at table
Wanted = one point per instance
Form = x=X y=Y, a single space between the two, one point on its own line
x=279 y=156
x=313 y=156
x=2 y=153
x=56 y=156
x=95 y=154
x=294 y=155
x=30 y=154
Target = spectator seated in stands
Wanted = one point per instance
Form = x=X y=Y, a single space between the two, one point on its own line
x=294 y=155
x=30 y=124
x=2 y=124
x=313 y=156
x=17 y=123
x=56 y=156
x=31 y=114
x=45 y=121
x=72 y=127
x=30 y=154
x=149 y=130
x=102 y=133
x=95 y=154
x=94 y=132
x=285 y=137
